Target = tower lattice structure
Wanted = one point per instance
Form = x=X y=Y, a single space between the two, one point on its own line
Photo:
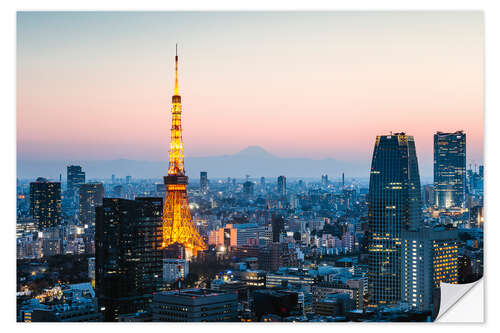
x=178 y=224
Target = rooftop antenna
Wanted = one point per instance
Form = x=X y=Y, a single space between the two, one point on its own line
x=176 y=87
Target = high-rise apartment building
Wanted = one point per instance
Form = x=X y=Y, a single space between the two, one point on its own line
x=45 y=202
x=91 y=196
x=129 y=264
x=449 y=169
x=282 y=186
x=394 y=204
x=428 y=257
x=203 y=181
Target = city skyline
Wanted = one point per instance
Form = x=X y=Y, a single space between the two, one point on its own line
x=102 y=79
x=252 y=160
x=112 y=244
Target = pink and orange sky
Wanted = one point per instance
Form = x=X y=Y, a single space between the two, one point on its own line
x=98 y=85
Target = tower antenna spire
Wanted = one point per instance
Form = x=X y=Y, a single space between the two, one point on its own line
x=176 y=88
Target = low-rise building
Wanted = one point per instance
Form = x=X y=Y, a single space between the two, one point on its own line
x=195 y=305
x=77 y=303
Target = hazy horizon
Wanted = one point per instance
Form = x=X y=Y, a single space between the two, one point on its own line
x=252 y=160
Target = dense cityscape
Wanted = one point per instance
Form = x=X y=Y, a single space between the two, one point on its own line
x=253 y=249
x=290 y=241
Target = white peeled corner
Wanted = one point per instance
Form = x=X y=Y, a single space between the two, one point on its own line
x=461 y=303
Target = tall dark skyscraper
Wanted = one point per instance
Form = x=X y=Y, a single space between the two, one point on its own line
x=75 y=177
x=278 y=226
x=91 y=196
x=45 y=202
x=128 y=256
x=394 y=204
x=449 y=169
x=282 y=186
x=203 y=181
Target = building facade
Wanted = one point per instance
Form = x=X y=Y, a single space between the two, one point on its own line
x=429 y=257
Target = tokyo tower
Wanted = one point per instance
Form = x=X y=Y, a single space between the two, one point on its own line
x=178 y=224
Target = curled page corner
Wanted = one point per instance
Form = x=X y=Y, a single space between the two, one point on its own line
x=453 y=297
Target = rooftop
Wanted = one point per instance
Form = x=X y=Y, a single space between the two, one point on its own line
x=194 y=292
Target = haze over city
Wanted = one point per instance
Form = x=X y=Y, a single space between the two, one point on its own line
x=311 y=84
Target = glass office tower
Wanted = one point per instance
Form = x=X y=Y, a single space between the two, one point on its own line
x=449 y=169
x=394 y=204
x=129 y=262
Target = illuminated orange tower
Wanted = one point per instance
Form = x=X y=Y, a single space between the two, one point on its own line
x=178 y=224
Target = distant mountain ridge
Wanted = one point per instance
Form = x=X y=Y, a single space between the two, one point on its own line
x=253 y=160
x=255 y=151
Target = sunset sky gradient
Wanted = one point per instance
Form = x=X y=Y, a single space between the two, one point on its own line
x=98 y=85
